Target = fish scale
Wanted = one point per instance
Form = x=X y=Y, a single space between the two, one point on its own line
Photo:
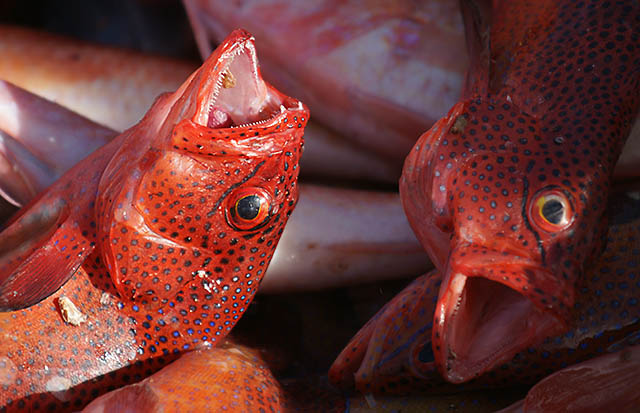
x=511 y=186
x=168 y=255
x=201 y=381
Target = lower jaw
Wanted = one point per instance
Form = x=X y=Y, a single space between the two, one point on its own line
x=480 y=324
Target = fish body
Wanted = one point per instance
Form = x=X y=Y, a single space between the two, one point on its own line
x=507 y=193
x=153 y=245
x=609 y=381
x=223 y=378
x=393 y=353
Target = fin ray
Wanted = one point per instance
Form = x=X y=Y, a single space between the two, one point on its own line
x=32 y=267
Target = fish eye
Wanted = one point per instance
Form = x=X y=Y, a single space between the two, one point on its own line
x=248 y=209
x=551 y=210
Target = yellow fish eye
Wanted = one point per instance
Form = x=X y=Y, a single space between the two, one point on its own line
x=551 y=210
x=248 y=209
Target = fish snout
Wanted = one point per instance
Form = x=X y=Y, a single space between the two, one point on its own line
x=492 y=305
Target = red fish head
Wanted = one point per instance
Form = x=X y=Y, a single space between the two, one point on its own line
x=192 y=220
x=510 y=239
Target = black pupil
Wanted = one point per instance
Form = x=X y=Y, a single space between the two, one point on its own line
x=248 y=207
x=552 y=211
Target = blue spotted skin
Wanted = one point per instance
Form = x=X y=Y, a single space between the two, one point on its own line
x=392 y=354
x=508 y=192
x=223 y=378
x=141 y=251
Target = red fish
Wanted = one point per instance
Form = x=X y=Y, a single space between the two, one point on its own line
x=606 y=383
x=393 y=353
x=224 y=378
x=153 y=245
x=507 y=193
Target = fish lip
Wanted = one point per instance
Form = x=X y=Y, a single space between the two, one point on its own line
x=491 y=264
x=482 y=321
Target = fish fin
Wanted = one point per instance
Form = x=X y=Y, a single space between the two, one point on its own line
x=343 y=369
x=497 y=31
x=608 y=382
x=34 y=267
x=22 y=175
x=393 y=349
x=476 y=16
x=626 y=170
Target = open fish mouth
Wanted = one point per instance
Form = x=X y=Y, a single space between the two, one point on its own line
x=236 y=95
x=484 y=318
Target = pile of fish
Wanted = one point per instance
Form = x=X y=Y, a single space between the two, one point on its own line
x=134 y=254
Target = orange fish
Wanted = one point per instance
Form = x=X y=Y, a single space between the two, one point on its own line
x=508 y=192
x=153 y=245
x=225 y=378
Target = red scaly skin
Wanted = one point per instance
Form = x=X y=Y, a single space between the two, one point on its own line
x=158 y=240
x=507 y=193
x=395 y=356
x=224 y=378
x=606 y=383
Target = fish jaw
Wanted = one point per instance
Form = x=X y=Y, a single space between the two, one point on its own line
x=490 y=308
x=232 y=92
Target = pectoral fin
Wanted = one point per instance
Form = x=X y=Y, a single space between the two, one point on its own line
x=22 y=175
x=39 y=252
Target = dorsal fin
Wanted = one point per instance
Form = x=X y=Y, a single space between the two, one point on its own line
x=476 y=15
x=39 y=252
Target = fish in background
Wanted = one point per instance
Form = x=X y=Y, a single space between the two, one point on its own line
x=379 y=73
x=115 y=87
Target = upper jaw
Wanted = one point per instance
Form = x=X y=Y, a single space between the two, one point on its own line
x=231 y=91
x=492 y=306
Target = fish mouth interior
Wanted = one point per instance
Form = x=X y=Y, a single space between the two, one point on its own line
x=239 y=96
x=487 y=323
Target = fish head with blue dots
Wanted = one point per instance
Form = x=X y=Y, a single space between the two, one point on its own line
x=507 y=193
